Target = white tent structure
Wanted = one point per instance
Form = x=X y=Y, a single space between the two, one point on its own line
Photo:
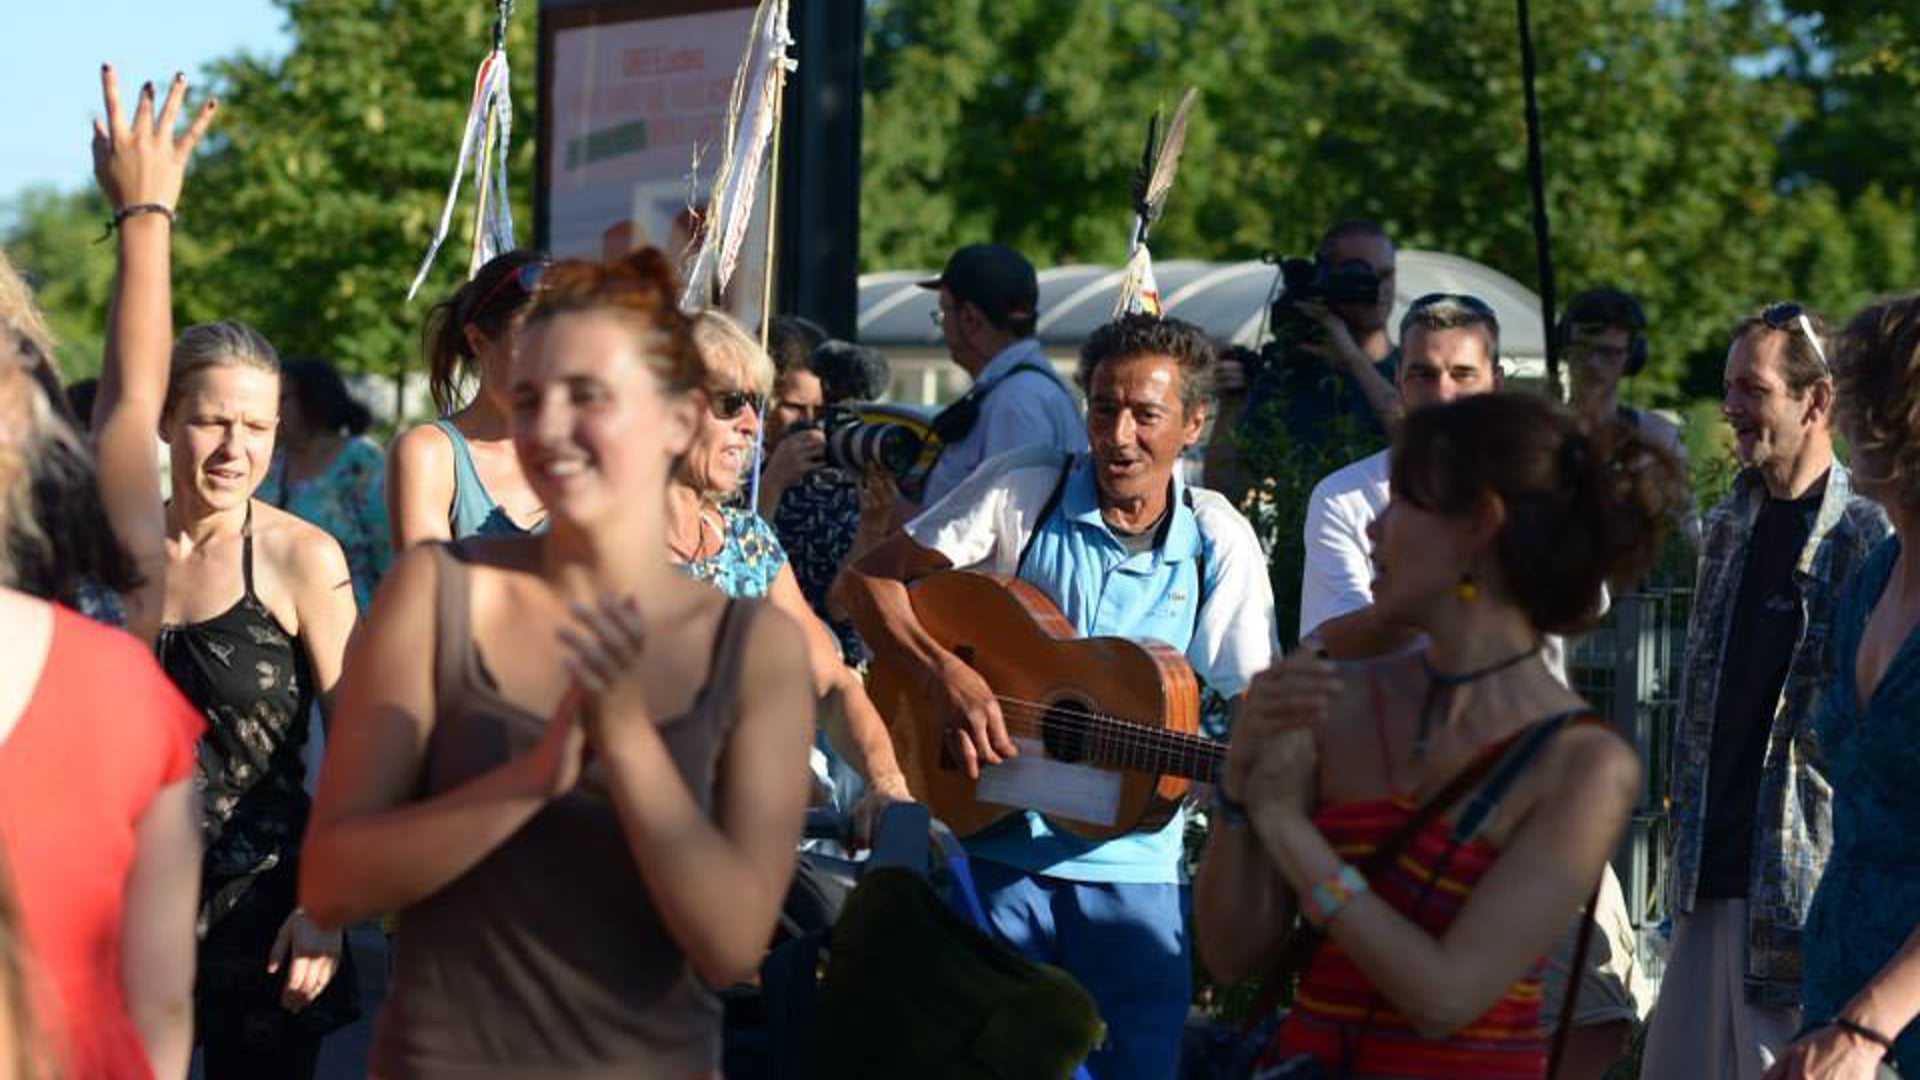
x=1228 y=300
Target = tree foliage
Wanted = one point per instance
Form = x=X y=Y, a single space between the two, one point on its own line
x=1709 y=154
x=1666 y=137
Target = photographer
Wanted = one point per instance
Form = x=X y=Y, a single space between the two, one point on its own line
x=796 y=400
x=1329 y=363
x=829 y=486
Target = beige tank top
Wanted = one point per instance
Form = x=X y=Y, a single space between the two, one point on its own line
x=547 y=959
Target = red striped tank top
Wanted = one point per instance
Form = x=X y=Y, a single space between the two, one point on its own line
x=1331 y=1007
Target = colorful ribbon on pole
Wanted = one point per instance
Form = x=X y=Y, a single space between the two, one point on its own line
x=752 y=120
x=485 y=140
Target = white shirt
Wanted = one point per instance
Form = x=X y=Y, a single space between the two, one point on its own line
x=1338 y=576
x=1338 y=579
x=1033 y=407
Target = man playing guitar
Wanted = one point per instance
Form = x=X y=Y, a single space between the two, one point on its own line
x=1119 y=542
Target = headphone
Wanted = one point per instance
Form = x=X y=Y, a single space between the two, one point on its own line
x=1611 y=307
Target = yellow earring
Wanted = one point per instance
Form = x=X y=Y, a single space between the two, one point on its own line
x=1467 y=591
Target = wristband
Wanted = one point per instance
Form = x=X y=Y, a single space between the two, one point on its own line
x=1326 y=898
x=1229 y=810
x=121 y=215
x=1855 y=1027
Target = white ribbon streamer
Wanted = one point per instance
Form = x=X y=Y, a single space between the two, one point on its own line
x=750 y=131
x=489 y=126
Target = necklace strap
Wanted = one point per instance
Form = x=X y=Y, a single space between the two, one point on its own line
x=1450 y=679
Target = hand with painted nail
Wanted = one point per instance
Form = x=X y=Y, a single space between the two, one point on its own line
x=603 y=651
x=140 y=160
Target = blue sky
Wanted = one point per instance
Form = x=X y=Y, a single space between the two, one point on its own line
x=54 y=56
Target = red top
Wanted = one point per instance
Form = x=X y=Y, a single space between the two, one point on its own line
x=1331 y=1007
x=104 y=731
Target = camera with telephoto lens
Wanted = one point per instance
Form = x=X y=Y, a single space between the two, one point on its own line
x=850 y=376
x=1349 y=281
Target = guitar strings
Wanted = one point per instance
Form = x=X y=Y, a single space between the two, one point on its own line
x=1099 y=718
x=1111 y=727
x=1033 y=716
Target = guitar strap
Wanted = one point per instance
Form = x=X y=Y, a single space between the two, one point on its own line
x=1053 y=503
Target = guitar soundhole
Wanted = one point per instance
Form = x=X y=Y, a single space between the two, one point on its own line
x=1065 y=732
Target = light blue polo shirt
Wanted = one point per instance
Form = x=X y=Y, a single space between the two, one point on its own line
x=1105 y=590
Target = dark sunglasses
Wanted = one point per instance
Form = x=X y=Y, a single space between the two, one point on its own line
x=527 y=276
x=729 y=404
x=1787 y=315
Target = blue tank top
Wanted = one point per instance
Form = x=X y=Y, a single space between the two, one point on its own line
x=474 y=512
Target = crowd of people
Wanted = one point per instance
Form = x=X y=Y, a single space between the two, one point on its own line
x=583 y=650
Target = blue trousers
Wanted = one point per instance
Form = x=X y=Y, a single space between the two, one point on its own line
x=1126 y=943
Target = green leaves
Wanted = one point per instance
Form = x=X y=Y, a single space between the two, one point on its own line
x=1671 y=140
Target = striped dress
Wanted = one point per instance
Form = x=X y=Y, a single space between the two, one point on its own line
x=1334 y=1000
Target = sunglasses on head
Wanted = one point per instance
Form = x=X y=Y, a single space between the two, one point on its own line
x=1787 y=315
x=526 y=275
x=729 y=404
x=1466 y=300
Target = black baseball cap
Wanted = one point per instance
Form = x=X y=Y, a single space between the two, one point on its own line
x=993 y=277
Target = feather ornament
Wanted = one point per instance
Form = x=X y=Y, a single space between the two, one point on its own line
x=1152 y=183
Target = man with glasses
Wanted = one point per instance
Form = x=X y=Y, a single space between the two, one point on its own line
x=1750 y=804
x=988 y=310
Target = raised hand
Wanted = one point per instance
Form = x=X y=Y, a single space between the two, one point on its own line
x=141 y=160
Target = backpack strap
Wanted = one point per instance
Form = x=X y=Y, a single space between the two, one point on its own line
x=1199 y=561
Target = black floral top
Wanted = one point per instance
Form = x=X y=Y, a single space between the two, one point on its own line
x=254 y=683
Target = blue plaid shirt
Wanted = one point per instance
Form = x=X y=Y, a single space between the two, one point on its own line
x=1793 y=822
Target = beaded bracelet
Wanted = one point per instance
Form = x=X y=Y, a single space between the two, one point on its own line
x=1326 y=898
x=121 y=215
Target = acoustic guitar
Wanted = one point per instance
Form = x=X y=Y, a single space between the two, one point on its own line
x=1107 y=727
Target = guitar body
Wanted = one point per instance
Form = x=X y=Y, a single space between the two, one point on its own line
x=1094 y=717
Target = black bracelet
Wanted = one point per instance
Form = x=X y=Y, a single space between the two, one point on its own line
x=1229 y=810
x=121 y=215
x=1855 y=1027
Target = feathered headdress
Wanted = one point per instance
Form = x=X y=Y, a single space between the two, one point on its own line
x=1151 y=184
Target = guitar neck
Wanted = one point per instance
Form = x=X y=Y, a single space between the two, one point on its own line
x=1118 y=744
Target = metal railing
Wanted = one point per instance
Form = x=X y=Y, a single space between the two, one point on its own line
x=1629 y=667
